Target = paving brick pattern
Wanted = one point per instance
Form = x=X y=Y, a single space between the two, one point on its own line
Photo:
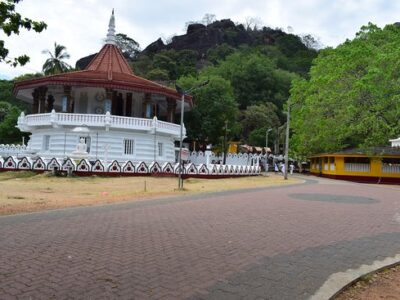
x=260 y=244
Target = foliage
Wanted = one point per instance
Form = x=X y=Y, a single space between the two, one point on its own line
x=208 y=19
x=129 y=47
x=10 y=109
x=352 y=98
x=142 y=65
x=4 y=109
x=257 y=137
x=28 y=76
x=158 y=74
x=214 y=104
x=256 y=120
x=6 y=94
x=171 y=62
x=297 y=57
x=311 y=42
x=252 y=23
x=255 y=78
x=219 y=53
x=10 y=23
x=55 y=64
x=8 y=132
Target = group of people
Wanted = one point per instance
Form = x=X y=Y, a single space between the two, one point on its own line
x=281 y=168
x=278 y=167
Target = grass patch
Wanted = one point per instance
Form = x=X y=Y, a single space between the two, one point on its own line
x=17 y=174
x=16 y=197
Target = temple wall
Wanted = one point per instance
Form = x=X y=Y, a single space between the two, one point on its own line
x=51 y=142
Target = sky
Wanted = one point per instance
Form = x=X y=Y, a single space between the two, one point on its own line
x=81 y=25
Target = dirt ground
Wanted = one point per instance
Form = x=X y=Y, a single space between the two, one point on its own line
x=28 y=192
x=383 y=285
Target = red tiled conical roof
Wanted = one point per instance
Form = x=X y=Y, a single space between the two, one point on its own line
x=108 y=69
x=110 y=60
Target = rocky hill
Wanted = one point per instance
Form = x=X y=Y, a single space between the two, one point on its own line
x=201 y=38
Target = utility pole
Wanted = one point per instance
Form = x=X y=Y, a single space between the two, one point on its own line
x=225 y=138
x=287 y=139
x=183 y=93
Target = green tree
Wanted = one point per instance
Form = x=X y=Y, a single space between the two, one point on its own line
x=255 y=78
x=55 y=64
x=10 y=23
x=4 y=109
x=214 y=104
x=256 y=120
x=142 y=65
x=129 y=47
x=219 y=53
x=158 y=74
x=6 y=94
x=28 y=76
x=186 y=62
x=164 y=61
x=8 y=132
x=352 y=98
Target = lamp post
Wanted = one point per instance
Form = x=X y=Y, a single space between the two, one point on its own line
x=155 y=137
x=287 y=140
x=266 y=138
x=183 y=93
x=225 y=138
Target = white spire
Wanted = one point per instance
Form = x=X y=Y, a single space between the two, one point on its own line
x=111 y=31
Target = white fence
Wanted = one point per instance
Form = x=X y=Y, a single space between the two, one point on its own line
x=13 y=150
x=241 y=159
x=85 y=167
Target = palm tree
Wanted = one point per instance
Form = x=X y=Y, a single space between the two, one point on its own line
x=55 y=64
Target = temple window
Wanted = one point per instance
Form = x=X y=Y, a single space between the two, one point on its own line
x=391 y=165
x=128 y=146
x=46 y=142
x=151 y=110
x=64 y=104
x=160 y=149
x=357 y=164
x=107 y=105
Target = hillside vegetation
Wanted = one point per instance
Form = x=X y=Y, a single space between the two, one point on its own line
x=250 y=71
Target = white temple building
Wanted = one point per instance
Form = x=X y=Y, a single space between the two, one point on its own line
x=120 y=116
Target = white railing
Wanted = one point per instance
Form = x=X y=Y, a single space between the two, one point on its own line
x=391 y=168
x=13 y=150
x=356 y=167
x=25 y=123
x=241 y=159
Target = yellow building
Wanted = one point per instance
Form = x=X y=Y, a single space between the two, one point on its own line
x=378 y=165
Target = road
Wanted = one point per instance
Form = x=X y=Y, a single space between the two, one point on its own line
x=272 y=243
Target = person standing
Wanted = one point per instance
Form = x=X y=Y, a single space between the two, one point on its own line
x=291 y=168
x=276 y=169
x=283 y=169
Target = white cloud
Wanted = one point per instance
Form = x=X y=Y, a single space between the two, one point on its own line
x=81 y=25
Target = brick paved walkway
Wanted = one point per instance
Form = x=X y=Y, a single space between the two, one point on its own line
x=274 y=243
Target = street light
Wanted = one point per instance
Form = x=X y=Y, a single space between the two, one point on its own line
x=287 y=140
x=225 y=138
x=266 y=139
x=183 y=93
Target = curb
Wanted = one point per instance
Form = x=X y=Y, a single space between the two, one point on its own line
x=337 y=282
